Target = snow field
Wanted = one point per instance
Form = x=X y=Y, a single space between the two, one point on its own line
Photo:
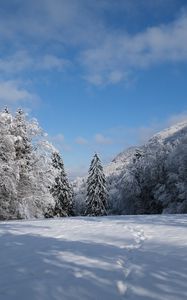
x=117 y=257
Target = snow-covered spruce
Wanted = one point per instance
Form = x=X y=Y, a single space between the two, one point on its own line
x=61 y=189
x=96 y=201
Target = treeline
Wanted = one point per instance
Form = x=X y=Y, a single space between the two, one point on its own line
x=151 y=179
x=33 y=181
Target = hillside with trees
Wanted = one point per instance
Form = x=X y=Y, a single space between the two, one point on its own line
x=150 y=179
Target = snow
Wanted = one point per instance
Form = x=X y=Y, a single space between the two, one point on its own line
x=176 y=130
x=121 y=257
x=121 y=161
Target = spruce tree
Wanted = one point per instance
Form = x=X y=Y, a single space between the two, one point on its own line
x=61 y=189
x=96 y=201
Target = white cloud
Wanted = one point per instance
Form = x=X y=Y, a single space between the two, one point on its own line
x=120 y=52
x=95 y=79
x=102 y=140
x=21 y=61
x=13 y=66
x=60 y=143
x=81 y=141
x=15 y=63
x=59 y=138
x=49 y=62
x=104 y=53
x=177 y=118
x=12 y=92
x=116 y=76
x=55 y=21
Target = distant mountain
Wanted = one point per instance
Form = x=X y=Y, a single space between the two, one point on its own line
x=148 y=179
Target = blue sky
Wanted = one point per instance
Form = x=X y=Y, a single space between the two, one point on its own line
x=99 y=75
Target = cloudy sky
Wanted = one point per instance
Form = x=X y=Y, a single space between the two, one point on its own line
x=99 y=75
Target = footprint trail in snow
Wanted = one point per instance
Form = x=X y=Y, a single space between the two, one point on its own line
x=125 y=264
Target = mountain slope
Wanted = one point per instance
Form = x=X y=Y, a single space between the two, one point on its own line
x=150 y=178
x=169 y=135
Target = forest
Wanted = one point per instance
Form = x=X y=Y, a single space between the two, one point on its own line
x=150 y=179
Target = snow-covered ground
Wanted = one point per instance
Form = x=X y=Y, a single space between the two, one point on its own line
x=125 y=257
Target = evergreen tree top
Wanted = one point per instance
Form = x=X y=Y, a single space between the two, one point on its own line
x=57 y=161
x=20 y=111
x=6 y=110
x=95 y=160
x=95 y=166
x=20 y=117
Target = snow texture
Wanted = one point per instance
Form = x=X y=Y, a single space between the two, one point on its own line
x=121 y=257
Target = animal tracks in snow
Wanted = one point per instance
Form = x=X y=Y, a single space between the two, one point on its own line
x=139 y=236
x=125 y=264
x=94 y=258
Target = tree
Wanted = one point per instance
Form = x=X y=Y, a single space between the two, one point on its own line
x=96 y=201
x=8 y=168
x=61 y=189
x=25 y=168
x=32 y=161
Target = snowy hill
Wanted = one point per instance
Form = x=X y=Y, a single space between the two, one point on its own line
x=127 y=257
x=172 y=133
x=149 y=178
x=168 y=135
x=120 y=161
